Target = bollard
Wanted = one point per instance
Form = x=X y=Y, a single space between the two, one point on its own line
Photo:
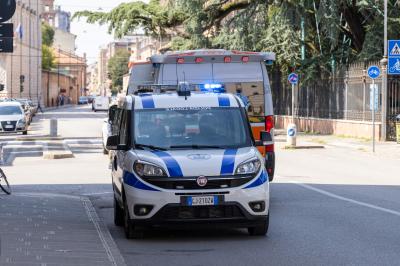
x=291 y=135
x=53 y=127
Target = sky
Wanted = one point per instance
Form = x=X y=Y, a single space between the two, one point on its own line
x=90 y=37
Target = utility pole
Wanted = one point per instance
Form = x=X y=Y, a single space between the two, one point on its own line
x=384 y=63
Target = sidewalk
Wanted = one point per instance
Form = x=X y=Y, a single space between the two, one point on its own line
x=383 y=149
x=53 y=229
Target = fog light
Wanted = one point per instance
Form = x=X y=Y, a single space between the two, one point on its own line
x=142 y=210
x=257 y=206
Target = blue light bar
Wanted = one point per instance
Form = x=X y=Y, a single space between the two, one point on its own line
x=212 y=87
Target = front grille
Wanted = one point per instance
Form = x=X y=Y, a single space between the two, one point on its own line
x=11 y=124
x=200 y=212
x=189 y=183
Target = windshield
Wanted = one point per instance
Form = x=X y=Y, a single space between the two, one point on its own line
x=10 y=110
x=188 y=128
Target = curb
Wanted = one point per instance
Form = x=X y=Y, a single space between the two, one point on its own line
x=44 y=137
x=302 y=147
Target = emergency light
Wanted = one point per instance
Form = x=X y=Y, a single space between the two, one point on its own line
x=212 y=87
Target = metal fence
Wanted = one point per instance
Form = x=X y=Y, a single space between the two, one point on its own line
x=346 y=95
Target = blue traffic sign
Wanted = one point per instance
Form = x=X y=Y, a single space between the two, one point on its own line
x=374 y=72
x=293 y=78
x=394 y=57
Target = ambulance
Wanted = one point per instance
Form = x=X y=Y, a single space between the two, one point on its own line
x=241 y=73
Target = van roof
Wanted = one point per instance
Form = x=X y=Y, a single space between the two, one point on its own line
x=195 y=100
x=211 y=55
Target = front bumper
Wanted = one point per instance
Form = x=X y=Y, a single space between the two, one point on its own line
x=167 y=207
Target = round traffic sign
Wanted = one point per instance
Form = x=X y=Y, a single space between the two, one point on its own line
x=7 y=9
x=293 y=78
x=374 y=72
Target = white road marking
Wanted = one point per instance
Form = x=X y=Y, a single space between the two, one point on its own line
x=332 y=195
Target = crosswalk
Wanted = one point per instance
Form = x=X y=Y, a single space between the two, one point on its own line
x=14 y=149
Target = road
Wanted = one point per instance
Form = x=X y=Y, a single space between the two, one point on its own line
x=333 y=206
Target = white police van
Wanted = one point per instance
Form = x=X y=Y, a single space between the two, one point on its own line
x=183 y=157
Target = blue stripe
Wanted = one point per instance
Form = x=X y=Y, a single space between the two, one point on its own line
x=224 y=101
x=259 y=181
x=174 y=169
x=131 y=180
x=147 y=102
x=228 y=162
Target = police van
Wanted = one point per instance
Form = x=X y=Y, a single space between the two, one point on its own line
x=185 y=155
x=241 y=73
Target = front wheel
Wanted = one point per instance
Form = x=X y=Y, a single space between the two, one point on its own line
x=118 y=214
x=4 y=185
x=130 y=231
x=261 y=229
x=25 y=132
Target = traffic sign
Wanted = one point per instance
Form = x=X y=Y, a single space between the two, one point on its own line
x=373 y=72
x=6 y=45
x=6 y=30
x=293 y=78
x=394 y=57
x=7 y=9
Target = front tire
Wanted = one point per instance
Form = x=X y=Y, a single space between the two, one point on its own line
x=130 y=231
x=118 y=214
x=259 y=230
x=25 y=132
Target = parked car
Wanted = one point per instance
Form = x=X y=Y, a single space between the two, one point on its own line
x=12 y=118
x=83 y=100
x=101 y=103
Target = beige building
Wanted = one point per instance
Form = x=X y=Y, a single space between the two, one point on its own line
x=20 y=72
x=64 y=40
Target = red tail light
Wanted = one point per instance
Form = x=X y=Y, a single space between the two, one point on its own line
x=227 y=59
x=245 y=59
x=199 y=60
x=180 y=60
x=269 y=123
x=269 y=148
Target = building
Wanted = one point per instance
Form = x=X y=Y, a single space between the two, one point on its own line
x=92 y=80
x=64 y=40
x=56 y=17
x=20 y=71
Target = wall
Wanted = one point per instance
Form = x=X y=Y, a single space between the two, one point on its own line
x=64 y=40
x=50 y=91
x=349 y=128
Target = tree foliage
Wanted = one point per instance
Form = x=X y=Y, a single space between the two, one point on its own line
x=336 y=32
x=48 y=58
x=117 y=68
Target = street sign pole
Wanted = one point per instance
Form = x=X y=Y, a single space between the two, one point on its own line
x=373 y=115
x=293 y=113
x=373 y=73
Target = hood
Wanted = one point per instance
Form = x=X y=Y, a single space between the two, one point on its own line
x=179 y=163
x=11 y=117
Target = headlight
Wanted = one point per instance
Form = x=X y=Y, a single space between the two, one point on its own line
x=249 y=167
x=146 y=169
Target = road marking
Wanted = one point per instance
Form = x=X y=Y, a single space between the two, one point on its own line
x=332 y=195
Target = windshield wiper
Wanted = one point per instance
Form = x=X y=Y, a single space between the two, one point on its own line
x=149 y=147
x=196 y=147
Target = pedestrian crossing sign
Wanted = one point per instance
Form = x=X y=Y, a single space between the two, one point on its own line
x=394 y=57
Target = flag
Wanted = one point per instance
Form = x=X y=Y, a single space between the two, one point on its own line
x=19 y=32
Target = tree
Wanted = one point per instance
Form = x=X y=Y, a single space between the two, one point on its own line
x=117 y=68
x=48 y=58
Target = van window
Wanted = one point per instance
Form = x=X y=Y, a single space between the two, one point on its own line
x=124 y=129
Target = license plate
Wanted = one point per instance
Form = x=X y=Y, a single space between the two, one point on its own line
x=202 y=201
x=9 y=126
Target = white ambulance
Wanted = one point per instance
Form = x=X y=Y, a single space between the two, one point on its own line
x=241 y=73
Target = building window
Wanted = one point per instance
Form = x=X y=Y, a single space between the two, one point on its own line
x=46 y=8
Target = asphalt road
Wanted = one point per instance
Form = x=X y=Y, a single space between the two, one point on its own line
x=328 y=207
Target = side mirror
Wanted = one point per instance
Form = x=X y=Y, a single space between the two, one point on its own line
x=264 y=138
x=112 y=143
x=111 y=112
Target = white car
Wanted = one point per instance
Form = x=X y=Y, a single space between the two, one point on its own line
x=185 y=158
x=12 y=118
x=101 y=103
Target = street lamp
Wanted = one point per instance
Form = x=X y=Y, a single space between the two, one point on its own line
x=384 y=63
